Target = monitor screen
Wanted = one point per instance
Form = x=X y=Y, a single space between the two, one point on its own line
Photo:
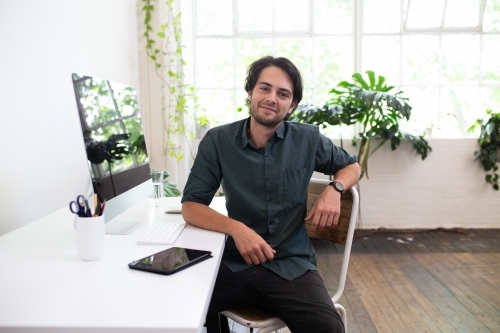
x=114 y=142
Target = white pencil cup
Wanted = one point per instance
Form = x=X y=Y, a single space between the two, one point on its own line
x=90 y=237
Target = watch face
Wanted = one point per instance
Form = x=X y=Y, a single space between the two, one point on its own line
x=339 y=186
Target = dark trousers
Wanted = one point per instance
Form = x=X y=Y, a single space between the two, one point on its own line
x=303 y=303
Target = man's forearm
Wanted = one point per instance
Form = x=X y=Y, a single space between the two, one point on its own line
x=348 y=176
x=252 y=247
x=205 y=217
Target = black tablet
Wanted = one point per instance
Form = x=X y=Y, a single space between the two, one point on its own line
x=170 y=260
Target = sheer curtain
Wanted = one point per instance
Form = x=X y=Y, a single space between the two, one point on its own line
x=168 y=140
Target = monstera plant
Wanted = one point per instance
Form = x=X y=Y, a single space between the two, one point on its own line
x=489 y=145
x=371 y=103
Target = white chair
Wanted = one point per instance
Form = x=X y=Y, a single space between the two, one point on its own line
x=343 y=233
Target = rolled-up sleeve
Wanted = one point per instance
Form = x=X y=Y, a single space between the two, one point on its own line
x=331 y=158
x=206 y=175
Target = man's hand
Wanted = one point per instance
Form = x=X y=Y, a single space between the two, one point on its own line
x=326 y=210
x=252 y=246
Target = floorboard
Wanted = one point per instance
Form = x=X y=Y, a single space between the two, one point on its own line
x=417 y=280
x=423 y=280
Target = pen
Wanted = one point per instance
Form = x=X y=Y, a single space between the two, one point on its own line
x=96 y=203
x=87 y=212
x=97 y=211
x=102 y=206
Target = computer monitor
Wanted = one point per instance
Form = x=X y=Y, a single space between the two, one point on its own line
x=114 y=143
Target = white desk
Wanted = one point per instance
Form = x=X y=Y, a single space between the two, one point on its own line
x=46 y=287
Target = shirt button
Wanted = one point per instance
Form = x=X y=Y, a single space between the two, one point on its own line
x=270 y=222
x=267 y=155
x=267 y=177
x=268 y=200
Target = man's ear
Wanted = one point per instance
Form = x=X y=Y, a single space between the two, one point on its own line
x=249 y=95
x=292 y=107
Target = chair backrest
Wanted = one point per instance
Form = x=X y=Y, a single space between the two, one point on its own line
x=343 y=232
x=338 y=234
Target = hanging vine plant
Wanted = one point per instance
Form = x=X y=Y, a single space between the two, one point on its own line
x=163 y=43
x=489 y=145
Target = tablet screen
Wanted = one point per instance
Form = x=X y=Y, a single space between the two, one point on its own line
x=170 y=260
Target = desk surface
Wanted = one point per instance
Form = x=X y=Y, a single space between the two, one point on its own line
x=46 y=287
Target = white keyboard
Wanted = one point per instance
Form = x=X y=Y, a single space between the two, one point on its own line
x=162 y=233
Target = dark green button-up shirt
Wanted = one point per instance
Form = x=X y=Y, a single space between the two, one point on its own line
x=265 y=188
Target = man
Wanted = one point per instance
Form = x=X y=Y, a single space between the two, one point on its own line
x=264 y=164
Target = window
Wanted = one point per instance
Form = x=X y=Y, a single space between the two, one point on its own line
x=441 y=53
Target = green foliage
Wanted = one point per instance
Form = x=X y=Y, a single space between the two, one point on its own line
x=167 y=42
x=169 y=189
x=115 y=148
x=489 y=145
x=104 y=104
x=371 y=104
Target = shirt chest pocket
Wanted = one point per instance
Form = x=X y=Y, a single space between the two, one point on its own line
x=294 y=185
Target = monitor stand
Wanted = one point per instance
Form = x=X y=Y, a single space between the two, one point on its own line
x=121 y=227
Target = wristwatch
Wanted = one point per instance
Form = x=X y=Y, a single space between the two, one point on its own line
x=338 y=187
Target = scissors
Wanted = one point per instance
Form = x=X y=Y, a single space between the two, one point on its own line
x=80 y=207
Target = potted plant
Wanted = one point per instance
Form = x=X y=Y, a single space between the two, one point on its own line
x=371 y=104
x=489 y=145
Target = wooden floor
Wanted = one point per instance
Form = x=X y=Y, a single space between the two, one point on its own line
x=414 y=281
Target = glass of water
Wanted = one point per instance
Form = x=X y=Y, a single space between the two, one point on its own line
x=157 y=179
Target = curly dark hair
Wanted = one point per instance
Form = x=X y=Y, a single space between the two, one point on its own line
x=284 y=64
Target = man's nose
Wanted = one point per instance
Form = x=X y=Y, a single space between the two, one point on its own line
x=271 y=97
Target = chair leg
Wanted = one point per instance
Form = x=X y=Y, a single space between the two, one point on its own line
x=343 y=315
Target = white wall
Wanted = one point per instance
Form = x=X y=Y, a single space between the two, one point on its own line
x=446 y=190
x=43 y=163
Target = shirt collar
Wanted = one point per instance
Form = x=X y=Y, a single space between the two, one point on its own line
x=280 y=132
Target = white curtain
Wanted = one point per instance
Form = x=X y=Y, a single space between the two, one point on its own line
x=157 y=105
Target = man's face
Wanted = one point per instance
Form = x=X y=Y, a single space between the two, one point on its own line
x=272 y=97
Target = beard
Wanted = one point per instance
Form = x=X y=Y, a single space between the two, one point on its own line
x=266 y=121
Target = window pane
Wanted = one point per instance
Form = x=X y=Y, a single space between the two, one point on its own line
x=291 y=15
x=460 y=108
x=381 y=55
x=126 y=99
x=333 y=17
x=490 y=64
x=425 y=109
x=251 y=17
x=298 y=51
x=381 y=16
x=247 y=51
x=419 y=15
x=491 y=17
x=219 y=104
x=307 y=95
x=214 y=17
x=322 y=95
x=460 y=58
x=462 y=13
x=490 y=99
x=332 y=60
x=420 y=60
x=103 y=133
x=241 y=96
x=215 y=63
x=96 y=101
